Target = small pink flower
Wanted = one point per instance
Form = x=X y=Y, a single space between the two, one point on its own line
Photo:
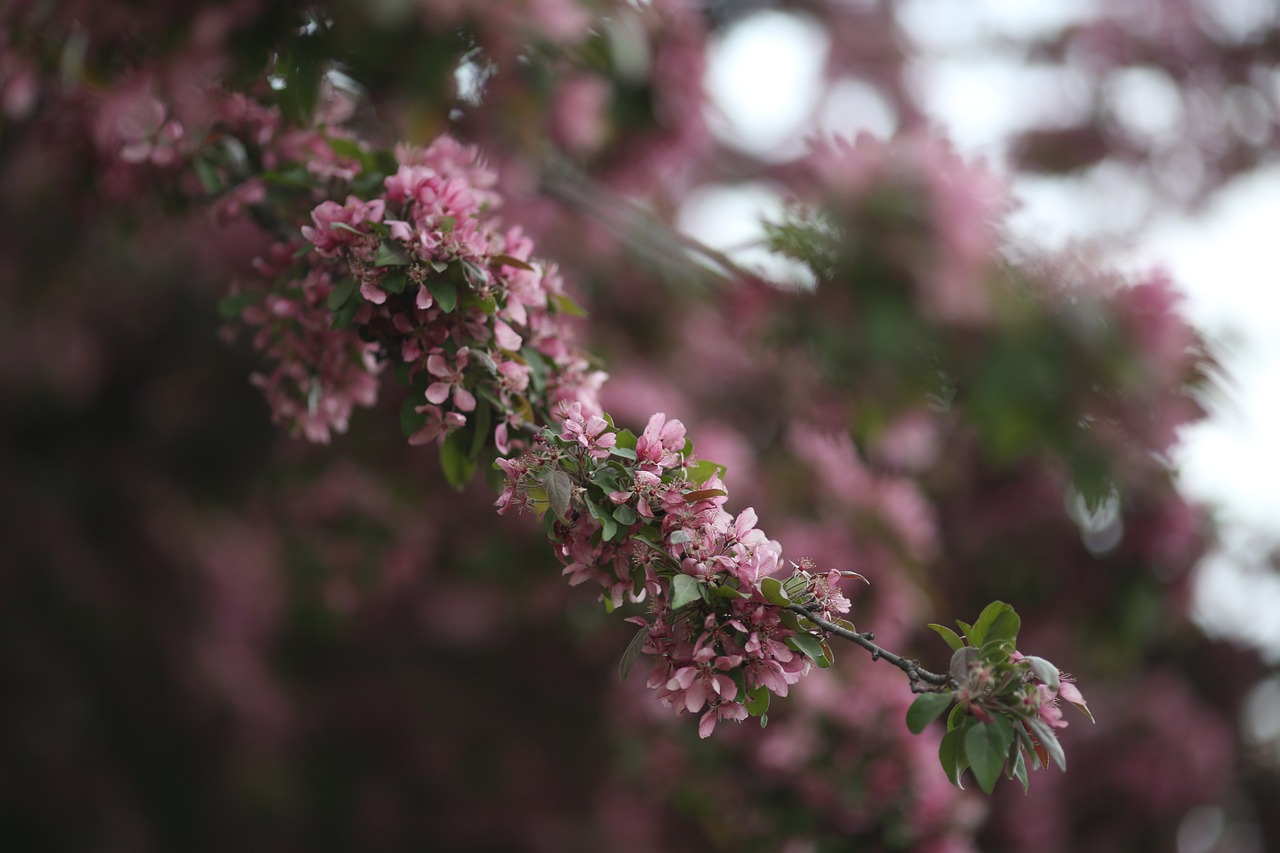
x=451 y=380
x=661 y=443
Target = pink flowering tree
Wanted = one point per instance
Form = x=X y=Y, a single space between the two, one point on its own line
x=912 y=417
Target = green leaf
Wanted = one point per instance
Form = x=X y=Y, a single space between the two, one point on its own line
x=341 y=293
x=608 y=528
x=562 y=304
x=703 y=470
x=757 y=701
x=559 y=490
x=344 y=315
x=511 y=261
x=482 y=422
x=723 y=591
x=411 y=421
x=624 y=515
x=625 y=438
x=395 y=282
x=1018 y=769
x=952 y=638
x=632 y=653
x=998 y=620
x=927 y=708
x=455 y=461
x=996 y=651
x=773 y=592
x=965 y=628
x=809 y=645
x=229 y=307
x=986 y=745
x=622 y=452
x=1045 y=671
x=951 y=756
x=390 y=255
x=684 y=590
x=445 y=293
x=1048 y=740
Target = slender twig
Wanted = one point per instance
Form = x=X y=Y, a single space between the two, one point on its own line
x=939 y=682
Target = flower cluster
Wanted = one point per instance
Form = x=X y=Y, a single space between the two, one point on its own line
x=645 y=521
x=420 y=276
x=1006 y=703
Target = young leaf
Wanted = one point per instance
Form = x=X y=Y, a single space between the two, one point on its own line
x=703 y=495
x=632 y=653
x=986 y=745
x=977 y=633
x=684 y=590
x=927 y=708
x=952 y=638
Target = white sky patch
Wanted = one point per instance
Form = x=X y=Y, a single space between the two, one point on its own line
x=764 y=78
x=728 y=218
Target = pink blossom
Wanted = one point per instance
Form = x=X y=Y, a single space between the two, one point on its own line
x=661 y=443
x=450 y=379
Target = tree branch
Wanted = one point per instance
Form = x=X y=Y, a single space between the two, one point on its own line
x=938 y=681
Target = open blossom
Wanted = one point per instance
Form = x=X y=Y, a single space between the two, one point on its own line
x=660 y=445
x=589 y=432
x=450 y=380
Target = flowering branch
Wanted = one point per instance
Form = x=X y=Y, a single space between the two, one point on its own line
x=939 y=682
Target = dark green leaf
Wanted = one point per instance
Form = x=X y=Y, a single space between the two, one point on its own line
x=992 y=614
x=810 y=647
x=344 y=315
x=410 y=420
x=455 y=461
x=927 y=708
x=632 y=653
x=986 y=745
x=624 y=515
x=395 y=282
x=390 y=255
x=341 y=293
x=951 y=756
x=229 y=307
x=445 y=293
